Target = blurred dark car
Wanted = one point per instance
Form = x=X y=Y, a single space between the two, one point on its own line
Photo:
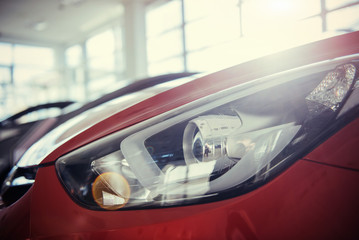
x=267 y=149
x=20 y=131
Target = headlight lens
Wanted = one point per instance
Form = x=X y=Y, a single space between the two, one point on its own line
x=214 y=148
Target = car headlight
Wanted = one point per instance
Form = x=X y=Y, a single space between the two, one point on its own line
x=214 y=148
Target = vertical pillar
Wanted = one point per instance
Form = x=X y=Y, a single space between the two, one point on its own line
x=240 y=8
x=323 y=15
x=135 y=51
x=60 y=67
x=86 y=74
x=184 y=36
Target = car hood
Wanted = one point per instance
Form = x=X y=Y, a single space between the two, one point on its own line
x=36 y=153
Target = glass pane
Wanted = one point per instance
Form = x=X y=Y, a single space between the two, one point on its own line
x=26 y=75
x=306 y=8
x=105 y=63
x=172 y=65
x=5 y=54
x=74 y=56
x=332 y=4
x=117 y=32
x=77 y=92
x=165 y=46
x=164 y=17
x=200 y=61
x=265 y=18
x=119 y=62
x=247 y=48
x=307 y=30
x=346 y=19
x=5 y=76
x=195 y=9
x=99 y=86
x=101 y=44
x=213 y=30
x=34 y=56
x=77 y=75
x=199 y=34
x=215 y=58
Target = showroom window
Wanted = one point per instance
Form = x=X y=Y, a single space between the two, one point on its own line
x=210 y=34
x=75 y=72
x=334 y=4
x=74 y=56
x=96 y=64
x=5 y=82
x=344 y=19
x=280 y=18
x=165 y=38
x=28 y=68
x=29 y=72
x=214 y=34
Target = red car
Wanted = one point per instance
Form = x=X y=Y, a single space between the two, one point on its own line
x=267 y=149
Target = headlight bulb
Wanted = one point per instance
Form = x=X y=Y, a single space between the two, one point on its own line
x=206 y=139
x=111 y=191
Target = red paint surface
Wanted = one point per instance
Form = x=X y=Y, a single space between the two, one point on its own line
x=341 y=150
x=308 y=201
x=15 y=220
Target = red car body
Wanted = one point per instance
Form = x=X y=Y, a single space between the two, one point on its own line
x=315 y=198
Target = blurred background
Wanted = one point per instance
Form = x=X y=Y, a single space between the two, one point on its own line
x=78 y=50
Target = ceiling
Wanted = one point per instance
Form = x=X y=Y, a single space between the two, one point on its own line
x=54 y=22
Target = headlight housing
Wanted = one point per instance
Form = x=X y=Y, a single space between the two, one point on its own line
x=218 y=147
